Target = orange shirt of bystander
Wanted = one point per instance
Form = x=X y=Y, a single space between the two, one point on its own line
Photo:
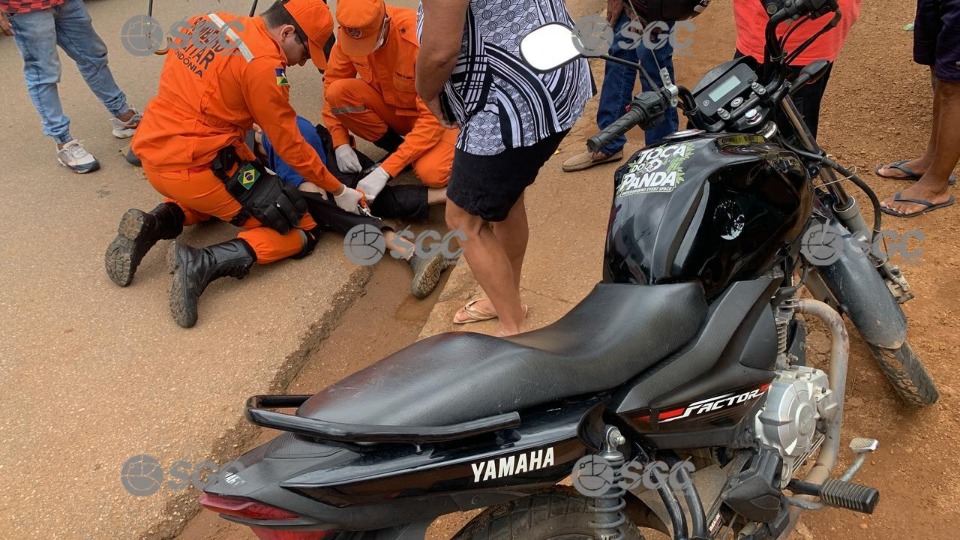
x=751 y=21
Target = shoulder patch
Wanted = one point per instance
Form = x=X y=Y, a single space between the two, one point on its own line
x=282 y=76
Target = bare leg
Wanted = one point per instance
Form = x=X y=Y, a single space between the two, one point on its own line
x=436 y=196
x=513 y=234
x=920 y=165
x=934 y=183
x=310 y=187
x=398 y=244
x=490 y=262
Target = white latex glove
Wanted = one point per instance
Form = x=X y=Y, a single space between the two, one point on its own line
x=348 y=200
x=347 y=159
x=373 y=183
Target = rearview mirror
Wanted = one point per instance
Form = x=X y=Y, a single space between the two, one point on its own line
x=550 y=47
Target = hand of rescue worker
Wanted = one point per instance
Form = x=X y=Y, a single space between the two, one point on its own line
x=348 y=199
x=347 y=159
x=373 y=183
x=5 y=27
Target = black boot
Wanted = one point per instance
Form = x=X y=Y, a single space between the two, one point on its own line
x=194 y=269
x=426 y=273
x=390 y=141
x=138 y=232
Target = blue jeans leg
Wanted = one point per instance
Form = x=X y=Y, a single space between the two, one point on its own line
x=36 y=36
x=618 y=82
x=76 y=36
x=617 y=89
x=652 y=61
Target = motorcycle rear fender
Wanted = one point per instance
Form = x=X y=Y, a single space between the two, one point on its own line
x=863 y=296
x=388 y=485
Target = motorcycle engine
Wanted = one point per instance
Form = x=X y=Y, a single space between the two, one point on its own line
x=797 y=400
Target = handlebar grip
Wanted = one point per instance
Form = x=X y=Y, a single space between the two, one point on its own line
x=623 y=124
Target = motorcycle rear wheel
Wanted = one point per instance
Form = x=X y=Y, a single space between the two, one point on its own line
x=906 y=373
x=557 y=514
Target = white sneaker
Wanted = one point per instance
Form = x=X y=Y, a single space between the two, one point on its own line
x=76 y=158
x=125 y=130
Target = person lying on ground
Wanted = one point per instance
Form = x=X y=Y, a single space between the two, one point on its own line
x=397 y=201
x=191 y=143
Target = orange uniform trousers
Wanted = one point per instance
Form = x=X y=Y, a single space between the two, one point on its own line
x=201 y=194
x=361 y=109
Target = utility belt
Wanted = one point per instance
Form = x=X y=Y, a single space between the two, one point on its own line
x=261 y=193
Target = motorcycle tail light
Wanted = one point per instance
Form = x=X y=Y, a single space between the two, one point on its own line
x=248 y=509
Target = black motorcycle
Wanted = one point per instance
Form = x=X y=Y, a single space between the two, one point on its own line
x=678 y=392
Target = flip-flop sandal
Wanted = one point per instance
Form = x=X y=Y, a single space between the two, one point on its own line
x=476 y=315
x=930 y=207
x=469 y=314
x=910 y=174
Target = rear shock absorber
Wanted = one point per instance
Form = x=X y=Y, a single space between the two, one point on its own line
x=608 y=507
x=784 y=314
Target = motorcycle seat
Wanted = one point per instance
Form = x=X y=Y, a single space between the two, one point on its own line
x=612 y=335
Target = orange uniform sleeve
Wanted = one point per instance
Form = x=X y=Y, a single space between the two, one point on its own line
x=426 y=133
x=269 y=104
x=339 y=67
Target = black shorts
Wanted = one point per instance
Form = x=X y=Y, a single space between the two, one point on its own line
x=489 y=186
x=936 y=38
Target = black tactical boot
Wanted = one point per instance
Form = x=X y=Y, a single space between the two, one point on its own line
x=426 y=273
x=194 y=269
x=138 y=232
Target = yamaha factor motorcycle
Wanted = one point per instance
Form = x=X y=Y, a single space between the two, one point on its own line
x=688 y=358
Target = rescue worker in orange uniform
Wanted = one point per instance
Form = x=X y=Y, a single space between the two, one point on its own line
x=228 y=74
x=379 y=43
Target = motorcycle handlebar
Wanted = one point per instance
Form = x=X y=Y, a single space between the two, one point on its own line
x=646 y=110
x=623 y=124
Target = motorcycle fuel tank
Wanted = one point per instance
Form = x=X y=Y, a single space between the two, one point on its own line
x=713 y=208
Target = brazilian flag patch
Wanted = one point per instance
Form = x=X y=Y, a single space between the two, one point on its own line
x=282 y=77
x=248 y=176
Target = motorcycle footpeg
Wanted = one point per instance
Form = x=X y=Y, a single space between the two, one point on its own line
x=862 y=445
x=850 y=496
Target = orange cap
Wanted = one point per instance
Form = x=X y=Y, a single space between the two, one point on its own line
x=315 y=20
x=361 y=22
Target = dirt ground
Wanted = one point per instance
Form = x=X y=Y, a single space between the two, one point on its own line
x=876 y=110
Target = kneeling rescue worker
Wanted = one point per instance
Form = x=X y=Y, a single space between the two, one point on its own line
x=214 y=86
